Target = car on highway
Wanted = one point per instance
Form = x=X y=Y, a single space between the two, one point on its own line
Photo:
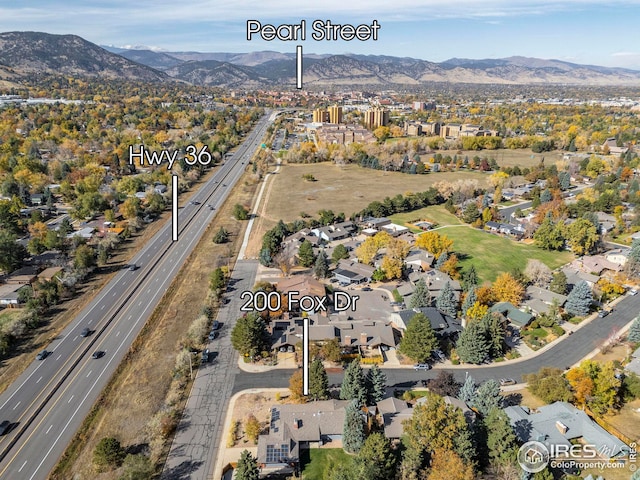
x=224 y=184
x=422 y=366
x=85 y=332
x=42 y=355
x=193 y=202
x=4 y=426
x=98 y=354
x=133 y=267
x=507 y=381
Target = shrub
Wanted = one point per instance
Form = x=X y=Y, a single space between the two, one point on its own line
x=557 y=330
x=108 y=453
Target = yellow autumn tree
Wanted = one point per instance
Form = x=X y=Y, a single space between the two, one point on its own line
x=434 y=243
x=507 y=289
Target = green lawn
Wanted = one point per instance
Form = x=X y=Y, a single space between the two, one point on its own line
x=434 y=213
x=492 y=255
x=318 y=462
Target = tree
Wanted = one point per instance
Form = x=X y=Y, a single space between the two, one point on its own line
x=249 y=335
x=305 y=254
x=579 y=300
x=582 y=236
x=11 y=252
x=108 y=453
x=549 y=236
x=549 y=385
x=353 y=433
x=538 y=273
x=221 y=236
x=331 y=351
x=472 y=345
x=247 y=467
x=501 y=440
x=468 y=390
x=239 y=212
x=217 y=281
x=252 y=428
x=318 y=381
x=559 y=283
x=606 y=390
x=447 y=465
x=392 y=267
x=367 y=250
x=354 y=384
x=469 y=300
x=508 y=289
x=470 y=279
x=296 y=387
x=419 y=340
x=435 y=243
x=581 y=383
x=476 y=312
x=376 y=459
x=435 y=424
x=376 y=383
x=445 y=384
x=339 y=253
x=446 y=301
x=321 y=266
x=130 y=208
x=487 y=397
x=85 y=257
x=634 y=331
x=471 y=213
x=420 y=296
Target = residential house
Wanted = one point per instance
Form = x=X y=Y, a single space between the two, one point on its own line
x=594 y=264
x=49 y=273
x=619 y=256
x=419 y=260
x=563 y=424
x=373 y=222
x=23 y=276
x=394 y=229
x=393 y=412
x=509 y=311
x=539 y=300
x=296 y=427
x=634 y=365
x=349 y=271
x=469 y=414
x=436 y=280
x=299 y=286
x=575 y=276
x=86 y=232
x=442 y=324
x=9 y=294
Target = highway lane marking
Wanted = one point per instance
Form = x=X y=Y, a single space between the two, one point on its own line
x=59 y=356
x=140 y=303
x=20 y=387
x=102 y=307
x=25 y=462
x=17 y=404
x=38 y=381
x=48 y=429
x=69 y=401
x=75 y=338
x=118 y=333
x=90 y=371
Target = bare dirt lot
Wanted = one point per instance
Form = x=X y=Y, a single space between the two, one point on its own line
x=139 y=388
x=346 y=189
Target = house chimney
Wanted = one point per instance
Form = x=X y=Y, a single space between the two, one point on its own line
x=347 y=340
x=363 y=338
x=296 y=423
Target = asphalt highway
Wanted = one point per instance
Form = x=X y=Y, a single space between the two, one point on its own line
x=49 y=401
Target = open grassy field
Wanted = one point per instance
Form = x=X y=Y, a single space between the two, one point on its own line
x=434 y=213
x=11 y=314
x=491 y=254
x=346 y=189
x=318 y=462
x=524 y=158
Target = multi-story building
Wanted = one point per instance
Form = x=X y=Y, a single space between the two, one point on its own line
x=320 y=115
x=335 y=114
x=376 y=117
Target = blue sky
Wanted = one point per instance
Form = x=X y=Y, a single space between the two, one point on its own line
x=580 y=31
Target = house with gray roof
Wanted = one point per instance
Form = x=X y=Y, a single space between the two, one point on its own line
x=562 y=424
x=634 y=365
x=575 y=276
x=539 y=300
x=516 y=317
x=469 y=415
x=442 y=324
x=393 y=412
x=295 y=427
x=349 y=271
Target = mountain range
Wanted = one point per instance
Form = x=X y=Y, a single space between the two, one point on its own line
x=23 y=53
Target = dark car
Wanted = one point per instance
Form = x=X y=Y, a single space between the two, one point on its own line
x=85 y=332
x=193 y=202
x=205 y=355
x=42 y=355
x=213 y=335
x=98 y=354
x=216 y=325
x=603 y=313
x=4 y=427
x=366 y=289
x=133 y=267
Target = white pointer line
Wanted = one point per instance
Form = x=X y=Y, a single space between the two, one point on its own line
x=305 y=356
x=299 y=66
x=174 y=207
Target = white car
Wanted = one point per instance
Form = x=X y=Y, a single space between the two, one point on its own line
x=422 y=366
x=633 y=291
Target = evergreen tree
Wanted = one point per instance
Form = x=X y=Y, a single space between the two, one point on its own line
x=545 y=196
x=441 y=260
x=353 y=432
x=249 y=335
x=579 y=300
x=339 y=253
x=634 y=331
x=419 y=340
x=488 y=397
x=472 y=346
x=318 y=381
x=446 y=300
x=421 y=296
x=559 y=283
x=321 y=267
x=376 y=460
x=469 y=300
x=494 y=333
x=376 y=384
x=470 y=213
x=470 y=279
x=305 y=254
x=265 y=257
x=354 y=384
x=468 y=390
x=501 y=440
x=247 y=467
x=221 y=236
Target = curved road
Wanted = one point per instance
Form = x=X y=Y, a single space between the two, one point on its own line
x=48 y=402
